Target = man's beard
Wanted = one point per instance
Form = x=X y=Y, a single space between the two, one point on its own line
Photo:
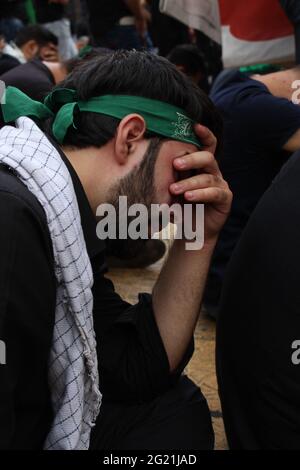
x=139 y=185
x=139 y=188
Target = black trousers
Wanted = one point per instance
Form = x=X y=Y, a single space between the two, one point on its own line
x=177 y=420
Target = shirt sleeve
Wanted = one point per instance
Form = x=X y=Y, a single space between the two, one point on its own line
x=133 y=364
x=263 y=119
x=27 y=303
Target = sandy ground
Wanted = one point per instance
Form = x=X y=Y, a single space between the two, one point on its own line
x=202 y=367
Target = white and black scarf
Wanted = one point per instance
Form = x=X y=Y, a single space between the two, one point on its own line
x=73 y=370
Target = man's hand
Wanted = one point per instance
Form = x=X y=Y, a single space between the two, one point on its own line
x=178 y=293
x=207 y=186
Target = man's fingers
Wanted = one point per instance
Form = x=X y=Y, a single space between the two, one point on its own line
x=204 y=161
x=216 y=196
x=207 y=138
x=200 y=181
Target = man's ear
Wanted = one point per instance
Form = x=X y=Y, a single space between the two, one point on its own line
x=30 y=49
x=130 y=132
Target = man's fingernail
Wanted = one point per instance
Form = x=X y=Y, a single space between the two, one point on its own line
x=176 y=188
x=180 y=162
x=189 y=195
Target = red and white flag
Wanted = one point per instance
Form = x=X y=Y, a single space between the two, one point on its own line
x=252 y=32
x=256 y=31
x=202 y=15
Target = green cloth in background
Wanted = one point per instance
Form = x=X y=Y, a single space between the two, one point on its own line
x=30 y=11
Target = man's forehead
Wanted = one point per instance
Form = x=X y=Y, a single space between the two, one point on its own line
x=178 y=147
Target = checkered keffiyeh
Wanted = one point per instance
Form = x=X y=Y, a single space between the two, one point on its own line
x=73 y=371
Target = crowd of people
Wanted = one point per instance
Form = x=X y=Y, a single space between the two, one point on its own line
x=106 y=99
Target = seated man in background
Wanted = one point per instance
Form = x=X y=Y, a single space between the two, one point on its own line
x=258 y=334
x=31 y=42
x=121 y=124
x=261 y=130
x=36 y=78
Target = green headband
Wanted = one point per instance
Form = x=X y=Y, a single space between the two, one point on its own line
x=161 y=118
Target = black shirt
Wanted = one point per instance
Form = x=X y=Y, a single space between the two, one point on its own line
x=259 y=321
x=7 y=62
x=103 y=15
x=33 y=78
x=47 y=12
x=133 y=365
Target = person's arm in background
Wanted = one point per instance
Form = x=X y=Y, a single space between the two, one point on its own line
x=264 y=118
x=293 y=144
x=141 y=15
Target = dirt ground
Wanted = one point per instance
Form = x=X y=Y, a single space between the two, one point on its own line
x=202 y=367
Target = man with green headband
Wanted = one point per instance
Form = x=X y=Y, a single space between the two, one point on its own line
x=121 y=125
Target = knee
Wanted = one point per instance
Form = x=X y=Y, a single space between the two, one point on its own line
x=192 y=422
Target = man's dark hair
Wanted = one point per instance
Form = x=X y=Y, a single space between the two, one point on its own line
x=132 y=73
x=190 y=57
x=38 y=33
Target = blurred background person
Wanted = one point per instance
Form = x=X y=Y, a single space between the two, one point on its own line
x=189 y=60
x=36 y=78
x=189 y=21
x=167 y=32
x=212 y=50
x=119 y=24
x=261 y=131
x=82 y=34
x=33 y=41
x=52 y=15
